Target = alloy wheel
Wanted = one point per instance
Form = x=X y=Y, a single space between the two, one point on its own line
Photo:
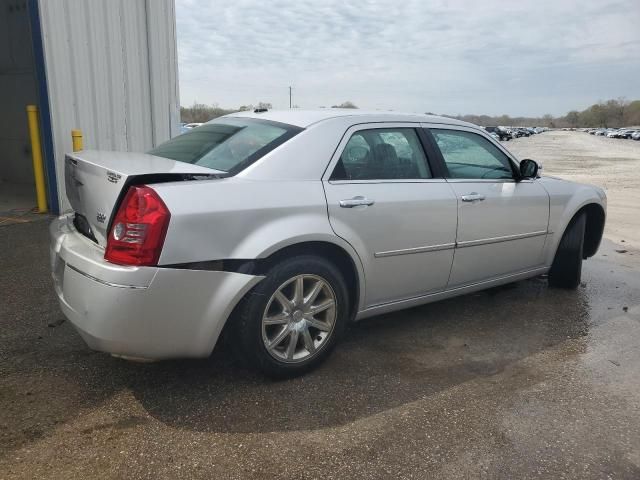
x=299 y=318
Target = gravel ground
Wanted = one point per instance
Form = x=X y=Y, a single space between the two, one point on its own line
x=610 y=163
x=521 y=382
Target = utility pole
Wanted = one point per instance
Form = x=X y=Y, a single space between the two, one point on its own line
x=290 y=104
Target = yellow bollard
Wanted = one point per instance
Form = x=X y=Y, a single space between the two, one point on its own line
x=36 y=153
x=76 y=140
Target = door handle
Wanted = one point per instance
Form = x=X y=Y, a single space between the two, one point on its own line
x=473 y=197
x=356 y=202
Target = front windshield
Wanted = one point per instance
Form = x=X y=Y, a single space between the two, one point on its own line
x=228 y=144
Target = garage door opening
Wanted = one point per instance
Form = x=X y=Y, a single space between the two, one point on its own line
x=18 y=88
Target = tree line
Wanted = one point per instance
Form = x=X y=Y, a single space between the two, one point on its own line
x=200 y=112
x=611 y=113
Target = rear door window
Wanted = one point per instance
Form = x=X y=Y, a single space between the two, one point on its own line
x=382 y=154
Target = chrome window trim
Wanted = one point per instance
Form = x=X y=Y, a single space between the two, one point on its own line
x=481 y=180
x=488 y=180
x=397 y=180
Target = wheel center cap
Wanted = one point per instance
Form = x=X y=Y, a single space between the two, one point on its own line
x=297 y=316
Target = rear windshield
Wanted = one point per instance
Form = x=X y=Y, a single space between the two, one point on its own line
x=227 y=144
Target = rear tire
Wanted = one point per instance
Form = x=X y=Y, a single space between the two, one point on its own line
x=566 y=269
x=275 y=325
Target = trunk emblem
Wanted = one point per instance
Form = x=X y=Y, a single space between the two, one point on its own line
x=113 y=177
x=101 y=217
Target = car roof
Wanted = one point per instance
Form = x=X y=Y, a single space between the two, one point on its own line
x=306 y=118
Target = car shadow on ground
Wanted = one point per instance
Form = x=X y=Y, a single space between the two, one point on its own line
x=383 y=363
x=49 y=378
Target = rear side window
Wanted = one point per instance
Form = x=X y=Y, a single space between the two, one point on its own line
x=227 y=144
x=469 y=155
x=382 y=154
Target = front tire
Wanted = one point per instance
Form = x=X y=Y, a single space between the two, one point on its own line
x=566 y=269
x=289 y=323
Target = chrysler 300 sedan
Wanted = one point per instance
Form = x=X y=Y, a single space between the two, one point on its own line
x=280 y=228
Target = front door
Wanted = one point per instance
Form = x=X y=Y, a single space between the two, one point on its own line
x=383 y=200
x=502 y=222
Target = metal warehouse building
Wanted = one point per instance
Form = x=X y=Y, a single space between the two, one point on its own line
x=106 y=67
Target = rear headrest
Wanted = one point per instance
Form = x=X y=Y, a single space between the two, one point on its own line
x=385 y=154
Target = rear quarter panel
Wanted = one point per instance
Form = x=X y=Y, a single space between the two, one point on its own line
x=242 y=219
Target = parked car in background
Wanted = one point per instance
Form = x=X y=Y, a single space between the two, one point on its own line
x=626 y=133
x=284 y=226
x=501 y=132
x=636 y=135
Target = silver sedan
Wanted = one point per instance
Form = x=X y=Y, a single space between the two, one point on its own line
x=283 y=227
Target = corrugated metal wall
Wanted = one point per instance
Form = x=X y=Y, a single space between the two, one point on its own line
x=112 y=72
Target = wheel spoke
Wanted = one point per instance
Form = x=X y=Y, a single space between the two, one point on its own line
x=320 y=325
x=284 y=301
x=298 y=291
x=315 y=309
x=315 y=291
x=308 y=341
x=278 y=319
x=293 y=341
x=299 y=318
x=279 y=338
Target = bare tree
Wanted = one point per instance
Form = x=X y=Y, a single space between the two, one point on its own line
x=573 y=118
x=347 y=104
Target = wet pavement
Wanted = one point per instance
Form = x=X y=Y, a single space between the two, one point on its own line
x=521 y=381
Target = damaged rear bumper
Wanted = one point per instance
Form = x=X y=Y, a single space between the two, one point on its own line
x=143 y=312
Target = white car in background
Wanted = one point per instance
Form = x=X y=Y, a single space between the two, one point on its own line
x=283 y=227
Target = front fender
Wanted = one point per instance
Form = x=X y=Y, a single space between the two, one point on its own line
x=566 y=199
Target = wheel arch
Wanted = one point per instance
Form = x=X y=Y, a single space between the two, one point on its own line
x=594 y=228
x=342 y=256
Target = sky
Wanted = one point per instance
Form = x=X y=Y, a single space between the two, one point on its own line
x=490 y=57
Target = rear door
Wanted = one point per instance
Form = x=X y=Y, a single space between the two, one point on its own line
x=502 y=222
x=385 y=200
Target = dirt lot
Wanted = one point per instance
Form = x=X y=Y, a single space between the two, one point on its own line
x=517 y=382
x=607 y=162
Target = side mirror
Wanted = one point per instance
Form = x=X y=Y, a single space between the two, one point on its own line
x=528 y=168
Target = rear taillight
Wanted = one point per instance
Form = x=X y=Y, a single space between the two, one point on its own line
x=137 y=233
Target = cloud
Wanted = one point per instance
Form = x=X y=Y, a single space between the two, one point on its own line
x=490 y=57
